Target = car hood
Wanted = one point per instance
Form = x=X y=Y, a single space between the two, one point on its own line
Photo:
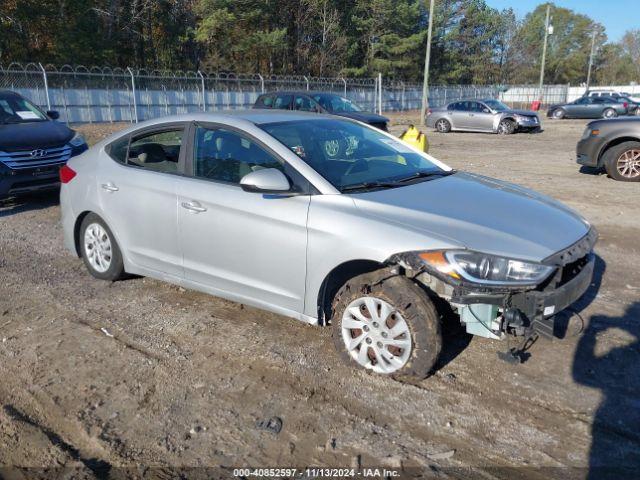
x=32 y=135
x=366 y=117
x=479 y=213
x=528 y=113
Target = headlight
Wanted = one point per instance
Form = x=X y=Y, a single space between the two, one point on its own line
x=486 y=269
x=590 y=132
x=77 y=140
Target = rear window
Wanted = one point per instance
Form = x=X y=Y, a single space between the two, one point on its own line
x=265 y=101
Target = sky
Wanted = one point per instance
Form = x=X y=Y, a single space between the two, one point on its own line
x=617 y=16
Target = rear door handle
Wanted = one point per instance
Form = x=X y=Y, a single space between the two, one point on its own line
x=109 y=187
x=194 y=206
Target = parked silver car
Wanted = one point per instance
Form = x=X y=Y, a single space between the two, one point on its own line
x=329 y=221
x=487 y=115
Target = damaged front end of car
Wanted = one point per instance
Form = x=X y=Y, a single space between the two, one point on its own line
x=495 y=296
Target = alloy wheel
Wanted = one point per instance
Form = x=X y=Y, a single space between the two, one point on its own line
x=376 y=335
x=97 y=246
x=441 y=126
x=628 y=164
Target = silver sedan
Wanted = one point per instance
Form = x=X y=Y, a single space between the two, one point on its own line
x=328 y=221
x=487 y=115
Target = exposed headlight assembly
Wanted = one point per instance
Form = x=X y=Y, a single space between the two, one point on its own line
x=77 y=140
x=486 y=269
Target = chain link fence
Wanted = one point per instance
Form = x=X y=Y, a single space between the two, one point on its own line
x=104 y=94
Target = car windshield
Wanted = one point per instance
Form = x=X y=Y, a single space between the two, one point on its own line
x=15 y=109
x=354 y=157
x=496 y=105
x=336 y=103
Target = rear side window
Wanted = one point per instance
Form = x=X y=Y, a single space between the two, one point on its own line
x=283 y=102
x=265 y=101
x=156 y=151
x=118 y=149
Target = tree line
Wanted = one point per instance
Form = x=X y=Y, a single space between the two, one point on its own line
x=473 y=43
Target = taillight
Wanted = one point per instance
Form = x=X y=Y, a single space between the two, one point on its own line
x=625 y=104
x=66 y=174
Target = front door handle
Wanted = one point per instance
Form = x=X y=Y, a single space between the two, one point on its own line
x=109 y=187
x=194 y=206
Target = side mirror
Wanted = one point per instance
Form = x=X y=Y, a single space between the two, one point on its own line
x=266 y=180
x=53 y=114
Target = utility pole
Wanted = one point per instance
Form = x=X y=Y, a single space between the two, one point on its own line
x=427 y=60
x=544 y=52
x=593 y=44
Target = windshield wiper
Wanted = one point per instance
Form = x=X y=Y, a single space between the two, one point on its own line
x=368 y=186
x=438 y=173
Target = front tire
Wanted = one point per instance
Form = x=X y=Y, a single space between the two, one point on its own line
x=558 y=114
x=506 y=127
x=99 y=249
x=622 y=162
x=386 y=324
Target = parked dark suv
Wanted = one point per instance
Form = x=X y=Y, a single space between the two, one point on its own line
x=612 y=144
x=33 y=146
x=320 y=102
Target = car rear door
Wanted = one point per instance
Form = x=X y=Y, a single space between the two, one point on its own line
x=244 y=246
x=137 y=194
x=459 y=114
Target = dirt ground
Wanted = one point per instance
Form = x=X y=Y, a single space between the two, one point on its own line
x=143 y=379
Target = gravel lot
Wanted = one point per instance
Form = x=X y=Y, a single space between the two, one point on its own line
x=97 y=377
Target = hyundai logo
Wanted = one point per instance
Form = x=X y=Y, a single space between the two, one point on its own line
x=37 y=153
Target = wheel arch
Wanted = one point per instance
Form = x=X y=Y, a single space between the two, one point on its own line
x=613 y=143
x=76 y=231
x=337 y=277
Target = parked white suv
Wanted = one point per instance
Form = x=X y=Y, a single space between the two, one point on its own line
x=604 y=92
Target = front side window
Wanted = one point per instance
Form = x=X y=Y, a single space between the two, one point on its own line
x=584 y=100
x=226 y=156
x=156 y=151
x=305 y=104
x=14 y=109
x=351 y=156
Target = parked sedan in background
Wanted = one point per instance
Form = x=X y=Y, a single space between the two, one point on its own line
x=614 y=145
x=488 y=115
x=320 y=102
x=588 y=107
x=32 y=146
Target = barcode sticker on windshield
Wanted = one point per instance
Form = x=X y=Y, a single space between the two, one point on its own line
x=398 y=146
x=27 y=115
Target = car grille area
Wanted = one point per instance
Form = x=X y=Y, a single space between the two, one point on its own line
x=39 y=157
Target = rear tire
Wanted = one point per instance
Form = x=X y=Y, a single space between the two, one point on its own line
x=506 y=127
x=99 y=249
x=395 y=330
x=443 y=126
x=622 y=162
x=609 y=113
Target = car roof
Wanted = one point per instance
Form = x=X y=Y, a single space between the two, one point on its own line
x=300 y=92
x=255 y=116
x=9 y=93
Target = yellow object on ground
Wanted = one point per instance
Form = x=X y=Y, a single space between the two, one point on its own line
x=415 y=138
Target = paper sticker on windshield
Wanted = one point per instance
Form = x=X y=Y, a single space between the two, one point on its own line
x=397 y=145
x=27 y=115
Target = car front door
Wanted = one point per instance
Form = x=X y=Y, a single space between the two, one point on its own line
x=137 y=193
x=480 y=117
x=580 y=108
x=245 y=246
